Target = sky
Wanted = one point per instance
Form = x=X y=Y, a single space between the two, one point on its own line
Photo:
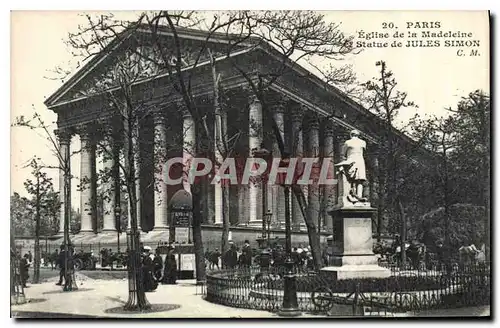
x=434 y=77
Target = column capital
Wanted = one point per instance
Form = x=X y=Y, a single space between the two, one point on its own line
x=313 y=122
x=83 y=131
x=182 y=108
x=63 y=135
x=297 y=111
x=253 y=100
x=280 y=107
x=158 y=117
x=328 y=128
x=342 y=135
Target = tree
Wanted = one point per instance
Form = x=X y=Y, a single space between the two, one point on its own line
x=442 y=141
x=460 y=142
x=63 y=160
x=43 y=205
x=472 y=154
x=383 y=99
x=20 y=215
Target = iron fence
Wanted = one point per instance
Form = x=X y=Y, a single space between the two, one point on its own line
x=403 y=291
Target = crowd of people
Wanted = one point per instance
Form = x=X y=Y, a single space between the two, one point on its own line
x=245 y=257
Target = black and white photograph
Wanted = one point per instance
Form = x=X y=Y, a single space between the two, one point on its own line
x=233 y=164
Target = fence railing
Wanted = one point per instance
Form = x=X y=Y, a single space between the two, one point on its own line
x=404 y=291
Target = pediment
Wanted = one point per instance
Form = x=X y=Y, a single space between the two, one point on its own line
x=133 y=59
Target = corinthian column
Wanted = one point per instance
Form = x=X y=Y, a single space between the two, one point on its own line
x=109 y=201
x=328 y=190
x=254 y=141
x=138 y=168
x=313 y=203
x=64 y=139
x=86 y=190
x=218 y=192
x=297 y=151
x=160 y=193
x=278 y=194
x=188 y=146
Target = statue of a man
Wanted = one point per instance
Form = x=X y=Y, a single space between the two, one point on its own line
x=353 y=166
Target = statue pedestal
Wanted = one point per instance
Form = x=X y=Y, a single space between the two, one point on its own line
x=353 y=245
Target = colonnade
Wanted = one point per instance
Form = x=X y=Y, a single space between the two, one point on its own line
x=305 y=132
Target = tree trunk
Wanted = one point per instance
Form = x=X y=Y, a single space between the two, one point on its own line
x=221 y=152
x=225 y=219
x=13 y=254
x=312 y=231
x=199 y=254
x=36 y=264
x=403 y=234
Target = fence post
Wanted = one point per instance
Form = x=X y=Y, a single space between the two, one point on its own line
x=357 y=308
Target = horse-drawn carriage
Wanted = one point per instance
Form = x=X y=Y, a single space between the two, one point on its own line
x=110 y=258
x=84 y=261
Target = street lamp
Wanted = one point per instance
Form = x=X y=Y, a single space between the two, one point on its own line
x=290 y=304
x=118 y=212
x=267 y=218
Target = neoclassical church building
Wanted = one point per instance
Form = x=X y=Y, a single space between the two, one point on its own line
x=314 y=119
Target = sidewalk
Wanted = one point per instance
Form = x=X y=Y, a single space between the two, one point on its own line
x=476 y=311
x=105 y=298
x=96 y=297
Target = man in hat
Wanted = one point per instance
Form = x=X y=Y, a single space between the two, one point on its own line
x=147 y=270
x=231 y=257
x=158 y=265
x=214 y=259
x=246 y=252
x=61 y=262
x=170 y=272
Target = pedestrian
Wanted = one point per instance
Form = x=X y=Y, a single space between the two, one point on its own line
x=149 y=282
x=214 y=259
x=158 y=265
x=30 y=257
x=170 y=273
x=246 y=253
x=231 y=257
x=61 y=262
x=23 y=270
x=69 y=264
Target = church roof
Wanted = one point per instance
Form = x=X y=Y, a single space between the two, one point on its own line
x=195 y=35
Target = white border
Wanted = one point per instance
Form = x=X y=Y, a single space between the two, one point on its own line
x=91 y=5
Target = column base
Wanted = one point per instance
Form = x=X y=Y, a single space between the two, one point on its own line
x=160 y=228
x=255 y=224
x=108 y=231
x=86 y=232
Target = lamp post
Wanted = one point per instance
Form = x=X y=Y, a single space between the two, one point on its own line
x=118 y=212
x=290 y=304
x=267 y=218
